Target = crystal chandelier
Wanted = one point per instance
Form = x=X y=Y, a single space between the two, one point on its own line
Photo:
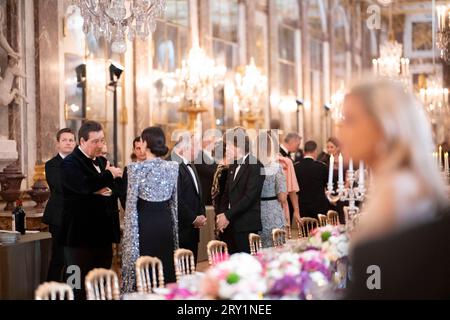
x=391 y=64
x=435 y=98
x=198 y=75
x=443 y=34
x=117 y=19
x=250 y=87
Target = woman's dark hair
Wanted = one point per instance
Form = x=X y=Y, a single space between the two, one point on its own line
x=136 y=140
x=156 y=141
x=334 y=141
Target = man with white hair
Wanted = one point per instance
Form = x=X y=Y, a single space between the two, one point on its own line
x=191 y=208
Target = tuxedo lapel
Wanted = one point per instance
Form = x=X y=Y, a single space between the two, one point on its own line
x=241 y=171
x=85 y=160
x=185 y=168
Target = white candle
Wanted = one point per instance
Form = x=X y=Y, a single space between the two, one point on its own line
x=440 y=157
x=375 y=66
x=330 y=170
x=341 y=168
x=447 y=169
x=361 y=173
x=350 y=165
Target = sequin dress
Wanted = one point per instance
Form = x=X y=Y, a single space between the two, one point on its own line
x=151 y=218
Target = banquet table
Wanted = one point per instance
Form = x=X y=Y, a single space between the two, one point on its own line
x=24 y=265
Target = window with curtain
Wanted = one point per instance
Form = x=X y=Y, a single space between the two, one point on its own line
x=170 y=47
x=224 y=21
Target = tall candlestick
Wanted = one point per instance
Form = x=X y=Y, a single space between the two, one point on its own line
x=440 y=157
x=341 y=168
x=361 y=174
x=350 y=165
x=330 y=170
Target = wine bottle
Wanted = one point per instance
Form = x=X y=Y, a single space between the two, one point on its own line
x=19 y=217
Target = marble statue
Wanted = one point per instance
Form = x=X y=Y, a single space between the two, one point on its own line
x=7 y=92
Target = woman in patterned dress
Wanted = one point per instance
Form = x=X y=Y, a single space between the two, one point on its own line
x=273 y=195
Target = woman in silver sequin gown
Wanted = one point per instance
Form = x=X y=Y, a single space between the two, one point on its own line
x=151 y=219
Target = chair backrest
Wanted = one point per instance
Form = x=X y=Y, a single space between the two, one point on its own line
x=149 y=274
x=184 y=262
x=102 y=284
x=287 y=228
x=278 y=237
x=307 y=225
x=322 y=220
x=53 y=291
x=333 y=217
x=217 y=252
x=255 y=243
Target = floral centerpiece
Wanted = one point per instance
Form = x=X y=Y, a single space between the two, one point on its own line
x=333 y=241
x=238 y=278
x=296 y=275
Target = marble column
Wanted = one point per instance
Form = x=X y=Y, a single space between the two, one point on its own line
x=250 y=11
x=141 y=88
x=48 y=67
x=47 y=73
x=274 y=88
x=306 y=62
x=205 y=37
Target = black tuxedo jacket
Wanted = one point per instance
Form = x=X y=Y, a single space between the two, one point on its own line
x=205 y=172
x=190 y=202
x=244 y=196
x=53 y=209
x=312 y=179
x=88 y=220
x=413 y=263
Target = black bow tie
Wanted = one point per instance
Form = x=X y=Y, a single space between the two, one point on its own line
x=96 y=162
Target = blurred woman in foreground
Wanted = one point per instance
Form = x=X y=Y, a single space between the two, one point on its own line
x=386 y=127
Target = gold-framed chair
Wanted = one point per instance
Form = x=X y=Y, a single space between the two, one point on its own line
x=307 y=225
x=255 y=243
x=217 y=252
x=53 y=291
x=102 y=284
x=184 y=262
x=323 y=220
x=278 y=237
x=287 y=228
x=333 y=217
x=149 y=274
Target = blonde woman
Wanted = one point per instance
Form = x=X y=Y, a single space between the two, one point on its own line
x=386 y=128
x=273 y=195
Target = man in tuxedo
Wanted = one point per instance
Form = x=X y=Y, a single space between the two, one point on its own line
x=65 y=143
x=206 y=167
x=312 y=180
x=413 y=263
x=243 y=190
x=290 y=148
x=191 y=209
x=138 y=155
x=87 y=230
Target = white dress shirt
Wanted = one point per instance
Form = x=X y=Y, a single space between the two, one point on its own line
x=95 y=166
x=186 y=162
x=239 y=166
